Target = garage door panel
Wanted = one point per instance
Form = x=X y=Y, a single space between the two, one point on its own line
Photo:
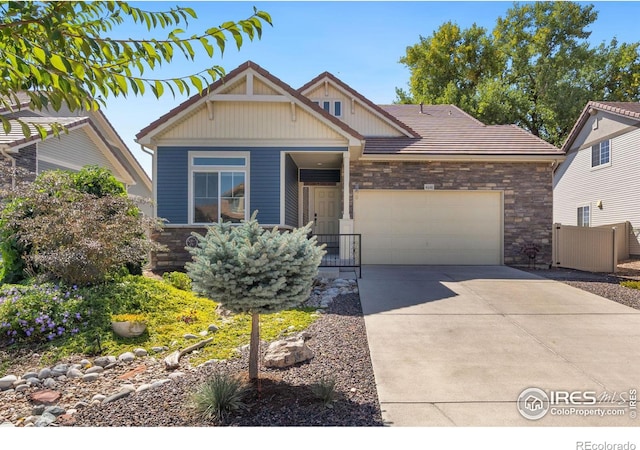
x=429 y=227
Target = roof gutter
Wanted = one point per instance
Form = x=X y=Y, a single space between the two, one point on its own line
x=468 y=157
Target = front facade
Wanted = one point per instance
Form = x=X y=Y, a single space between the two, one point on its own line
x=421 y=184
x=598 y=183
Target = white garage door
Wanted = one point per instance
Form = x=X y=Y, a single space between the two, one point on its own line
x=429 y=227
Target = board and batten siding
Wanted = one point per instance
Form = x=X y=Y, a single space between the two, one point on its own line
x=74 y=151
x=172 y=180
x=361 y=120
x=617 y=185
x=252 y=120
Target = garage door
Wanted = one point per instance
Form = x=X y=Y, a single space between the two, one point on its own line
x=429 y=227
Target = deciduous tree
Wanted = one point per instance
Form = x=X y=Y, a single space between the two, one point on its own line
x=536 y=68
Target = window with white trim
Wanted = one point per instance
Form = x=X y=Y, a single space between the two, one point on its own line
x=333 y=107
x=584 y=216
x=217 y=189
x=600 y=154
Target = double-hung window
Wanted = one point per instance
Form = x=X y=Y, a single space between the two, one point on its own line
x=600 y=154
x=218 y=187
x=584 y=216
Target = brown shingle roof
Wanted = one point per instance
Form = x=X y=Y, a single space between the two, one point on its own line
x=624 y=109
x=447 y=130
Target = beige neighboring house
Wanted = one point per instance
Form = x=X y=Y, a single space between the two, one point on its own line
x=599 y=182
x=422 y=184
x=90 y=140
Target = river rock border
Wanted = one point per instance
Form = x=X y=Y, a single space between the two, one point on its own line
x=50 y=396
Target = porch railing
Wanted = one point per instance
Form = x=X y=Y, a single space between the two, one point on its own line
x=343 y=251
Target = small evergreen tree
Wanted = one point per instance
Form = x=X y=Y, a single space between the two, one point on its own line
x=249 y=269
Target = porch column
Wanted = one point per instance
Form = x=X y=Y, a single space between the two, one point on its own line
x=345 y=186
x=347 y=249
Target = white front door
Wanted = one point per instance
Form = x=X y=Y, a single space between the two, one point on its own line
x=326 y=210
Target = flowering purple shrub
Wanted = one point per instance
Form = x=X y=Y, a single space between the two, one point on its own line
x=40 y=313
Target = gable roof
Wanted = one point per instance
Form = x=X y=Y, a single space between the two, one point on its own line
x=622 y=109
x=363 y=100
x=448 y=130
x=196 y=99
x=20 y=108
x=16 y=138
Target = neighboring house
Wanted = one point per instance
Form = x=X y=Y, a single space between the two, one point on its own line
x=599 y=183
x=421 y=184
x=90 y=140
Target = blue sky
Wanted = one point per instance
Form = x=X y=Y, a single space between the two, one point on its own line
x=360 y=42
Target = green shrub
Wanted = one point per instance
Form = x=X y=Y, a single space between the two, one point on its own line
x=220 y=395
x=178 y=280
x=97 y=181
x=631 y=284
x=325 y=390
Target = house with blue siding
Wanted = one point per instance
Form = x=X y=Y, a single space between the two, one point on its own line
x=421 y=184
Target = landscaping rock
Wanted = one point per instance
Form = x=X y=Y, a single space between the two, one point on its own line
x=46 y=397
x=74 y=373
x=212 y=328
x=140 y=352
x=90 y=377
x=287 y=352
x=94 y=369
x=49 y=383
x=45 y=420
x=127 y=357
x=44 y=373
x=190 y=336
x=7 y=382
x=104 y=361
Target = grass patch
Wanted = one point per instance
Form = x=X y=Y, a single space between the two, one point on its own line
x=169 y=312
x=631 y=284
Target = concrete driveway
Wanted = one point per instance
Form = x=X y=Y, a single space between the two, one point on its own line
x=458 y=345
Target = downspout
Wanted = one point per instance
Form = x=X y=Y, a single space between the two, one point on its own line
x=3 y=151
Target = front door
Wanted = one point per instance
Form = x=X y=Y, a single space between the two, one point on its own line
x=326 y=210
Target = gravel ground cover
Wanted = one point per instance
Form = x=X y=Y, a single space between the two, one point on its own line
x=602 y=284
x=282 y=397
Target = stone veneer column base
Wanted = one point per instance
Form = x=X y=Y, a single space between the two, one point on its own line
x=176 y=255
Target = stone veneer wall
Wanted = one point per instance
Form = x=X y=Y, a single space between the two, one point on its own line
x=527 y=187
x=175 y=239
x=26 y=159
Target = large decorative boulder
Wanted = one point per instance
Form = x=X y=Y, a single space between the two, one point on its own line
x=287 y=352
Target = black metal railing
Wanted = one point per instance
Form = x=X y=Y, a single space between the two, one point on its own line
x=343 y=250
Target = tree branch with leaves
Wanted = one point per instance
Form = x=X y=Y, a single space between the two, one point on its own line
x=60 y=54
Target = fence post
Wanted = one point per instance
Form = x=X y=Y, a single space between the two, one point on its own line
x=615 y=250
x=555 y=244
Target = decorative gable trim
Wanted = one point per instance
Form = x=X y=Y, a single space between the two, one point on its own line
x=327 y=78
x=215 y=93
